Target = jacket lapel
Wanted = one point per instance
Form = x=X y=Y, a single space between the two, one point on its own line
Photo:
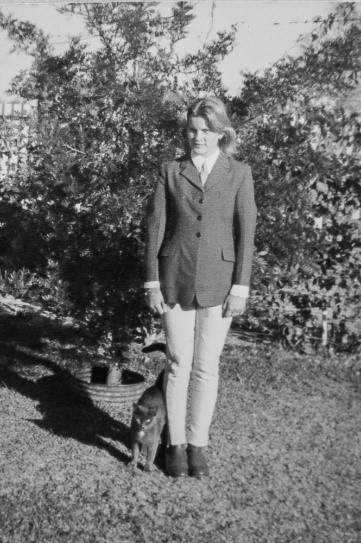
x=188 y=170
x=220 y=172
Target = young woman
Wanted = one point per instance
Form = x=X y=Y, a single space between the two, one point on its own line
x=200 y=231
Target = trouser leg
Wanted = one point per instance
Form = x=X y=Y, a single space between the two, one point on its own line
x=210 y=334
x=179 y=325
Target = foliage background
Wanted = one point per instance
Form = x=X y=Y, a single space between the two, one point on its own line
x=304 y=146
x=106 y=120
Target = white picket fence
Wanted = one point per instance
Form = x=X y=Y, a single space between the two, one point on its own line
x=15 y=123
x=16 y=110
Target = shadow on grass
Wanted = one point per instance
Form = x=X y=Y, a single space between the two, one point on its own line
x=64 y=413
x=30 y=330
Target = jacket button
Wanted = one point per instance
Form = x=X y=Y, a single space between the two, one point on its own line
x=198 y=234
x=201 y=200
x=199 y=218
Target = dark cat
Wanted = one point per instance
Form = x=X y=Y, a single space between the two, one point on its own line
x=149 y=419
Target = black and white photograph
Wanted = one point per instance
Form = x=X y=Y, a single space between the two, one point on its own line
x=180 y=271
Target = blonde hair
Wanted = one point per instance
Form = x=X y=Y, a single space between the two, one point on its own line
x=213 y=111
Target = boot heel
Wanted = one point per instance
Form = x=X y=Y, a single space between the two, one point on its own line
x=196 y=462
x=176 y=461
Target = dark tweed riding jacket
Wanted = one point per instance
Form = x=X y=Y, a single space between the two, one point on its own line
x=200 y=239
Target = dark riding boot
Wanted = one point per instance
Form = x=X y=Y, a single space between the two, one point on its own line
x=197 y=463
x=176 y=461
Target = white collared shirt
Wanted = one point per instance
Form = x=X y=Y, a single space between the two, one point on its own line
x=209 y=161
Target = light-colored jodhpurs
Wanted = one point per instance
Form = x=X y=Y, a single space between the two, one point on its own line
x=195 y=339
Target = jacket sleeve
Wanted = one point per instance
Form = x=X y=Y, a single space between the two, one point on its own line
x=246 y=215
x=155 y=228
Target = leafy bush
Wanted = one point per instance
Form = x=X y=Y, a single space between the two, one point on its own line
x=107 y=118
x=105 y=121
x=30 y=287
x=305 y=150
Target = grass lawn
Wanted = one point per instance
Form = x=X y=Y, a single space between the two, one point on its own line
x=284 y=452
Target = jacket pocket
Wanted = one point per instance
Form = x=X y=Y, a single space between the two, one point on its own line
x=166 y=250
x=228 y=253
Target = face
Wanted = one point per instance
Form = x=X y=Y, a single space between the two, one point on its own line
x=201 y=139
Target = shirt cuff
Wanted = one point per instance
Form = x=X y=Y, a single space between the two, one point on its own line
x=152 y=284
x=240 y=290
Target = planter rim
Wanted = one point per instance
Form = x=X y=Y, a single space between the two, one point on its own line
x=123 y=393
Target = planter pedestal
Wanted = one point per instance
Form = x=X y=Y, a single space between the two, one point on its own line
x=114 y=375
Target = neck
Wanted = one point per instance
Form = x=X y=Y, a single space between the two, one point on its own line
x=210 y=155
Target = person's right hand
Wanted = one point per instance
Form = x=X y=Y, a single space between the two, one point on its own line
x=155 y=300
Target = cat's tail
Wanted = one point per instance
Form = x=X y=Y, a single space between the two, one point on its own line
x=159 y=381
x=153 y=347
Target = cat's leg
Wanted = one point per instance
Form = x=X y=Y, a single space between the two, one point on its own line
x=150 y=456
x=135 y=454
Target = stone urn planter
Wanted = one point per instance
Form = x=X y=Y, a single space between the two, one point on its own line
x=106 y=379
x=108 y=384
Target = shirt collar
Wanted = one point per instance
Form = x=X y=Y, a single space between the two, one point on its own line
x=199 y=160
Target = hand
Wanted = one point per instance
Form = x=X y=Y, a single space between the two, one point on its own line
x=155 y=300
x=234 y=306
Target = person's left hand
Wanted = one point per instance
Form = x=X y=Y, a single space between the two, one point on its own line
x=234 y=306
